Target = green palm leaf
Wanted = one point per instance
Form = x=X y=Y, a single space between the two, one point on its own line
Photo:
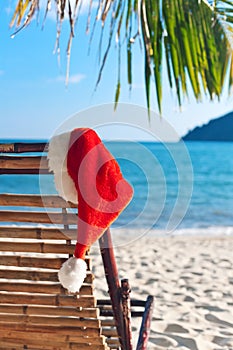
x=191 y=39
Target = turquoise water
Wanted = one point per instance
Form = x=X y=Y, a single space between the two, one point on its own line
x=183 y=187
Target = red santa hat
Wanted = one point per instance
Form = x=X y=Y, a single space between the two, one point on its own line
x=87 y=174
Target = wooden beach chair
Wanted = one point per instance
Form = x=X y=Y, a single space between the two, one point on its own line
x=36 y=233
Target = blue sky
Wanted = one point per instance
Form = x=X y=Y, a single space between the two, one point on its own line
x=34 y=100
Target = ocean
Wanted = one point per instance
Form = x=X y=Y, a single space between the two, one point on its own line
x=179 y=188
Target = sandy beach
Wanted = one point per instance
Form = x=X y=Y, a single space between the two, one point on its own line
x=192 y=281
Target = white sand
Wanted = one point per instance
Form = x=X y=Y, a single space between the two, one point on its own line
x=192 y=281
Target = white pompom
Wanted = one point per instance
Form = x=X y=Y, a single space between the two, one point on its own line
x=72 y=274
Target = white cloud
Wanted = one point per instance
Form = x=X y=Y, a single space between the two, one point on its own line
x=10 y=6
x=52 y=12
x=8 y=10
x=76 y=78
x=73 y=79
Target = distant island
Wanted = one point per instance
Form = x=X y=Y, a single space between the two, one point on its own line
x=220 y=129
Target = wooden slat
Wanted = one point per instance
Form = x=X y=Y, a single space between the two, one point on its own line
x=24 y=171
x=54 y=345
x=31 y=200
x=37 y=247
x=108 y=322
x=11 y=345
x=38 y=217
x=45 y=288
x=76 y=346
x=113 y=347
x=40 y=262
x=49 y=310
x=71 y=331
x=133 y=302
x=35 y=275
x=37 y=233
x=109 y=313
x=57 y=321
x=33 y=344
x=29 y=275
x=109 y=332
x=26 y=287
x=20 y=162
x=23 y=147
x=48 y=336
x=90 y=340
x=52 y=300
x=114 y=341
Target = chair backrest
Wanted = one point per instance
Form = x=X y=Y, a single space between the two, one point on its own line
x=36 y=233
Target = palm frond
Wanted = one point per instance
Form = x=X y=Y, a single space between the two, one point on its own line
x=192 y=39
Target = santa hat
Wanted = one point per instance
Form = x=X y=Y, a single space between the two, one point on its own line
x=87 y=174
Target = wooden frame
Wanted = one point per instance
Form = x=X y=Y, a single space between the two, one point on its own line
x=56 y=303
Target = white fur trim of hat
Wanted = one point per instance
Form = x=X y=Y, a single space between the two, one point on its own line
x=57 y=158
